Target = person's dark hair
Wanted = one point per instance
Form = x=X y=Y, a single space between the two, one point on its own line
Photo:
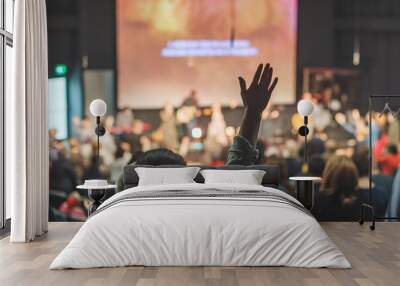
x=93 y=161
x=361 y=159
x=160 y=156
x=119 y=153
x=316 y=165
x=62 y=154
x=316 y=146
x=340 y=176
x=135 y=157
x=325 y=85
x=392 y=149
x=93 y=170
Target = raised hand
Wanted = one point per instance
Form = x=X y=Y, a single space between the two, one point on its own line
x=255 y=100
x=256 y=97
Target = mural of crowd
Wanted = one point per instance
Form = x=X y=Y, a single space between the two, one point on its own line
x=338 y=149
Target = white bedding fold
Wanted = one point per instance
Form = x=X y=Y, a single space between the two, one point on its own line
x=183 y=231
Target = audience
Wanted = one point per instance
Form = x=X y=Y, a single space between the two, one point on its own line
x=129 y=140
x=62 y=173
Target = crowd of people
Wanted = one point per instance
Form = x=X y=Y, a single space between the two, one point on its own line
x=338 y=150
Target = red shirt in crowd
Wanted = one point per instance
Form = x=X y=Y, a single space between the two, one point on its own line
x=388 y=161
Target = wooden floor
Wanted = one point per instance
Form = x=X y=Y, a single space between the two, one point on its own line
x=375 y=257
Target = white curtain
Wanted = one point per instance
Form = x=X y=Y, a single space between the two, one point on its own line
x=26 y=124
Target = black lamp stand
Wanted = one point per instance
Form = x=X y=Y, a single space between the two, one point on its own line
x=303 y=131
x=97 y=195
x=100 y=131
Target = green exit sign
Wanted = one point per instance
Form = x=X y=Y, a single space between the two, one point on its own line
x=60 y=69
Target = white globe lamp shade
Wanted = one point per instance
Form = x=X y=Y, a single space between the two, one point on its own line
x=98 y=107
x=305 y=107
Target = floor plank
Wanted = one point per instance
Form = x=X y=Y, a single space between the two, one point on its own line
x=375 y=257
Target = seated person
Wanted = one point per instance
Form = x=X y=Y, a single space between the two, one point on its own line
x=316 y=165
x=160 y=156
x=340 y=197
x=255 y=99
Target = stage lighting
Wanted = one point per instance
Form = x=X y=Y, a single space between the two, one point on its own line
x=197 y=132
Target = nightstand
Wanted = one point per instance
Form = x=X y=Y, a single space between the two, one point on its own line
x=96 y=194
x=305 y=190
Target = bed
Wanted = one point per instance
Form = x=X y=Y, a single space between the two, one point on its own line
x=197 y=224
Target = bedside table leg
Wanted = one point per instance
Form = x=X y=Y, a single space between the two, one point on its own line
x=298 y=190
x=96 y=196
x=305 y=193
x=93 y=207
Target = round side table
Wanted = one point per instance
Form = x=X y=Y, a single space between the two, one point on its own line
x=305 y=190
x=96 y=194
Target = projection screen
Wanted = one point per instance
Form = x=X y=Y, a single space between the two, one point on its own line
x=166 y=48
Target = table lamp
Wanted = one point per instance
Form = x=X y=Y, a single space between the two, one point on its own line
x=305 y=107
x=98 y=108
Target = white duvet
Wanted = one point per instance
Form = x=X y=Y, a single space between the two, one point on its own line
x=201 y=231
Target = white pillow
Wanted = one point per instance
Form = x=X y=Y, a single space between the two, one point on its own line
x=248 y=177
x=165 y=176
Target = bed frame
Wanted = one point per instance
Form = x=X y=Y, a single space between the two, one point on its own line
x=270 y=179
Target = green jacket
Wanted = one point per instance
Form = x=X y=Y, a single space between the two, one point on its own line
x=242 y=152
